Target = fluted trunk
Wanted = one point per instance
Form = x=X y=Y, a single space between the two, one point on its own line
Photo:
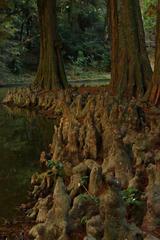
x=131 y=70
x=50 y=72
x=154 y=91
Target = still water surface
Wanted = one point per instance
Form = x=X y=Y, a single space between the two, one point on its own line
x=23 y=135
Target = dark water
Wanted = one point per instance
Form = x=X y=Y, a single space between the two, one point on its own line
x=23 y=135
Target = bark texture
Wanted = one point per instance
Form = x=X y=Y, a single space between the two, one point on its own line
x=155 y=86
x=50 y=72
x=131 y=70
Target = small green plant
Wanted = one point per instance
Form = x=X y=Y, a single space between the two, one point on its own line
x=50 y=164
x=96 y=200
x=58 y=165
x=132 y=197
x=84 y=180
x=84 y=220
x=81 y=59
x=89 y=197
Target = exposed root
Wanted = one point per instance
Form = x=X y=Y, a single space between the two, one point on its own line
x=102 y=174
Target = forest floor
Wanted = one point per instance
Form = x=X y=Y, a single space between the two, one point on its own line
x=80 y=76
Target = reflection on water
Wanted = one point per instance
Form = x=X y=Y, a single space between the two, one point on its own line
x=23 y=135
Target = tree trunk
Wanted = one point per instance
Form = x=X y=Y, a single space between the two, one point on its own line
x=50 y=72
x=154 y=91
x=131 y=70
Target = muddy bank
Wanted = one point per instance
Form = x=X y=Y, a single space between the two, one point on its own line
x=19 y=230
x=101 y=177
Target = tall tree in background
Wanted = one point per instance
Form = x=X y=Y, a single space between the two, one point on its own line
x=131 y=70
x=154 y=91
x=51 y=72
x=3 y=6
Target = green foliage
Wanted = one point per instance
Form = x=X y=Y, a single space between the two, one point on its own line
x=50 y=164
x=58 y=165
x=88 y=197
x=84 y=180
x=17 y=52
x=18 y=23
x=132 y=197
x=84 y=220
x=81 y=59
x=81 y=24
x=149 y=14
x=82 y=28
